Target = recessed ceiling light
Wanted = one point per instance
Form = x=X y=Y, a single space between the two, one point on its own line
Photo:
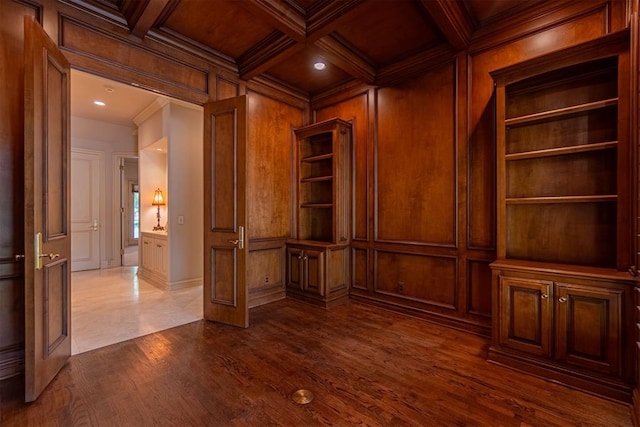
x=99 y=103
x=319 y=65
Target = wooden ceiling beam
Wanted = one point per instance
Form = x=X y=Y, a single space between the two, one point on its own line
x=342 y=56
x=324 y=16
x=141 y=15
x=452 y=19
x=281 y=14
x=262 y=56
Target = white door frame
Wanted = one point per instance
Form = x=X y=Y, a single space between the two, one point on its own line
x=101 y=193
x=117 y=226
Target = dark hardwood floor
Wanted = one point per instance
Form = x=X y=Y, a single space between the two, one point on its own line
x=364 y=367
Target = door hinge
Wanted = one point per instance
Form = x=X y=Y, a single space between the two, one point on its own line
x=121 y=251
x=121 y=210
x=121 y=167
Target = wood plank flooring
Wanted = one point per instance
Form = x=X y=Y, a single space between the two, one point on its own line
x=364 y=366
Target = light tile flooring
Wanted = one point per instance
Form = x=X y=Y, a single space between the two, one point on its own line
x=114 y=305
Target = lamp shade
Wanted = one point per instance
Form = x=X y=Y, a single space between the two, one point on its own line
x=158 y=199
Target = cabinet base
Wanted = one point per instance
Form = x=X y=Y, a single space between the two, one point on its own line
x=325 y=303
x=608 y=388
x=11 y=361
x=635 y=407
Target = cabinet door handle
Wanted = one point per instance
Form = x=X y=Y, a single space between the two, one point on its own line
x=544 y=296
x=562 y=299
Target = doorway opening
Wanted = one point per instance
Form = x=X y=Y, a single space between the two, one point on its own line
x=130 y=211
x=110 y=301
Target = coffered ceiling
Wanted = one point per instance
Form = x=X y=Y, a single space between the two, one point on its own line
x=371 y=41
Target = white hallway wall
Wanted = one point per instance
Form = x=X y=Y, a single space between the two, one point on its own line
x=112 y=140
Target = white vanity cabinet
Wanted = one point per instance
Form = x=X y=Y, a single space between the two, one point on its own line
x=154 y=258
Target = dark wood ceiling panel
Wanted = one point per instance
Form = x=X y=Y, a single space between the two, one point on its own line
x=387 y=32
x=375 y=42
x=297 y=71
x=223 y=25
x=483 y=10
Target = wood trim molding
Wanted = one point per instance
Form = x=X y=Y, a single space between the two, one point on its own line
x=452 y=19
x=260 y=57
x=590 y=50
x=417 y=64
x=339 y=94
x=281 y=14
x=505 y=28
x=11 y=361
x=346 y=58
x=635 y=407
x=145 y=15
x=323 y=16
x=273 y=89
x=103 y=10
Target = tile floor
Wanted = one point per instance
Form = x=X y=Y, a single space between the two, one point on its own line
x=114 y=305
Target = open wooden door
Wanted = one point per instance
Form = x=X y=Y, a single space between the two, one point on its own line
x=225 y=245
x=47 y=224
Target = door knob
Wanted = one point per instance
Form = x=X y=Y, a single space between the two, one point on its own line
x=94 y=226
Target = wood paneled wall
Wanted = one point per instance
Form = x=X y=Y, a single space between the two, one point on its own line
x=423 y=154
x=424 y=167
x=270 y=141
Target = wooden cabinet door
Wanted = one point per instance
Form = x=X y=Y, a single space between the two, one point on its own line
x=525 y=315
x=160 y=256
x=294 y=268
x=314 y=272
x=589 y=327
x=147 y=253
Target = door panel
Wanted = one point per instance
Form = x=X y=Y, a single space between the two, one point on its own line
x=47 y=222
x=225 y=252
x=86 y=170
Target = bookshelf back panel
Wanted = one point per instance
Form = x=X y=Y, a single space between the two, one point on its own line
x=581 y=129
x=316 y=224
x=322 y=167
x=580 y=84
x=578 y=174
x=316 y=192
x=316 y=145
x=567 y=233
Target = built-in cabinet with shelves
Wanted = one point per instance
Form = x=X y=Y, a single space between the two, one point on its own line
x=318 y=257
x=562 y=296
